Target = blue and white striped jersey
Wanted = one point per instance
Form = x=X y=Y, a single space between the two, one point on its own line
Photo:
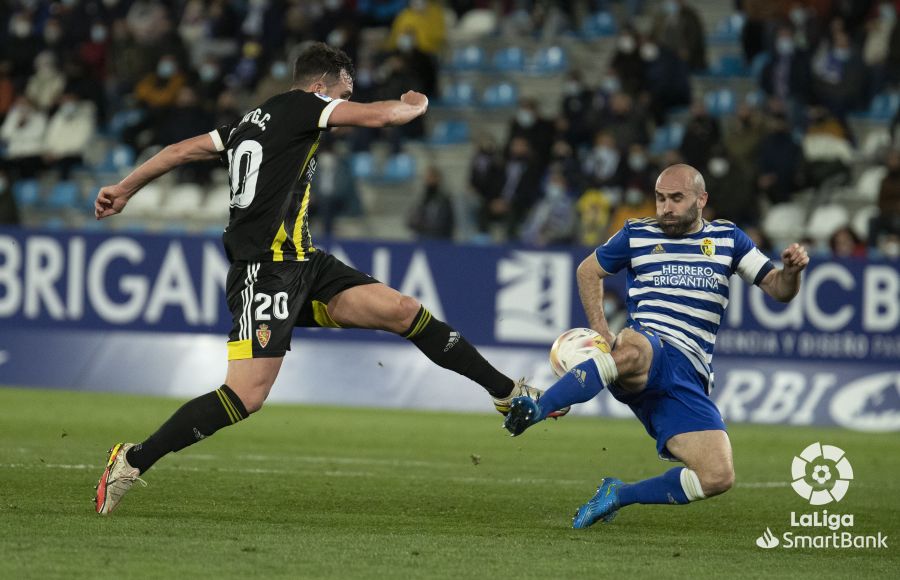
x=678 y=287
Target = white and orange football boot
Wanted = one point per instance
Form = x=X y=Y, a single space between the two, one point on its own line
x=116 y=480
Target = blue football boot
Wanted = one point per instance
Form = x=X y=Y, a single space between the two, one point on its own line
x=602 y=507
x=522 y=414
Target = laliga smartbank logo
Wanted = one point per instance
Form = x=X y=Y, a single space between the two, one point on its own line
x=821 y=474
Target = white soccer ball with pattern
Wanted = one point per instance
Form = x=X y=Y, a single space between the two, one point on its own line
x=574 y=347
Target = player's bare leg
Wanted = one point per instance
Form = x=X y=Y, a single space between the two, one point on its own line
x=252 y=379
x=378 y=306
x=708 y=455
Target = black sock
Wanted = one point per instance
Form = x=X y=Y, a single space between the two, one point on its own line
x=447 y=348
x=195 y=420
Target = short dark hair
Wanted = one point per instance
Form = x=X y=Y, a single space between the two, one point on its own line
x=319 y=60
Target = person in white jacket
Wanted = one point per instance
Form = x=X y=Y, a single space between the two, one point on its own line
x=23 y=136
x=68 y=134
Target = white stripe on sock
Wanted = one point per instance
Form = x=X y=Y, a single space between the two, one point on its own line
x=606 y=366
x=690 y=483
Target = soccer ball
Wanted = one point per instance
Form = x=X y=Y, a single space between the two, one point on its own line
x=574 y=347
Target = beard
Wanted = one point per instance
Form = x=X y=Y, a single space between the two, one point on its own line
x=679 y=225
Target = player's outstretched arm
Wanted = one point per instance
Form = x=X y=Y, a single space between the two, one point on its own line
x=381 y=113
x=113 y=198
x=590 y=288
x=784 y=284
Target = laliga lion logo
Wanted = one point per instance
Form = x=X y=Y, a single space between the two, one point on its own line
x=827 y=468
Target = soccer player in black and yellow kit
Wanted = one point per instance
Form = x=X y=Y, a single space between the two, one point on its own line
x=278 y=279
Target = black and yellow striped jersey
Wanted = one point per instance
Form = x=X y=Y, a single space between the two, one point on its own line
x=271 y=157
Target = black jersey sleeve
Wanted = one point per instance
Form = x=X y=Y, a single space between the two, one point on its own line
x=310 y=111
x=220 y=135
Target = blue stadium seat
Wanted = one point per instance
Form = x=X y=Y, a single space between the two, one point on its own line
x=449 y=133
x=27 y=192
x=363 y=165
x=549 y=60
x=122 y=120
x=468 y=58
x=667 y=137
x=64 y=194
x=118 y=157
x=457 y=94
x=728 y=65
x=598 y=25
x=509 y=59
x=400 y=167
x=720 y=102
x=884 y=106
x=728 y=30
x=501 y=95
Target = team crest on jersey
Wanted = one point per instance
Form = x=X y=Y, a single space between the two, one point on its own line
x=708 y=247
x=658 y=249
x=263 y=334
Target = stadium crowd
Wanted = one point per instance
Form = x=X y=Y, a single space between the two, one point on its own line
x=146 y=73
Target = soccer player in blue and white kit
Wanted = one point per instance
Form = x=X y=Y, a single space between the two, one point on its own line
x=678 y=267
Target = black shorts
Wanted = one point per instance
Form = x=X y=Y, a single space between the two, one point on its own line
x=268 y=299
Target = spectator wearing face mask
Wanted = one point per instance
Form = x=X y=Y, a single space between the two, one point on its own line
x=552 y=220
x=701 y=134
x=603 y=166
x=576 y=107
x=742 y=135
x=278 y=79
x=627 y=122
x=881 y=50
x=787 y=74
x=519 y=189
x=627 y=63
x=635 y=204
x=528 y=124
x=54 y=38
x=640 y=172
x=780 y=161
x=425 y=20
x=94 y=52
x=159 y=89
x=21 y=46
x=838 y=74
x=69 y=133
x=666 y=77
x=486 y=175
x=432 y=218
x=731 y=191
x=47 y=83
x=678 y=27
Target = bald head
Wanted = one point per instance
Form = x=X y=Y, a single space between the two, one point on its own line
x=680 y=199
x=680 y=178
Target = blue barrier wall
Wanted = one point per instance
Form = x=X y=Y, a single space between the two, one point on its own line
x=105 y=309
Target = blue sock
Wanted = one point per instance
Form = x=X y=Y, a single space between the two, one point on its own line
x=665 y=488
x=580 y=384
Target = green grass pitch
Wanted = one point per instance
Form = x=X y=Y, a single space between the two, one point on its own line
x=307 y=492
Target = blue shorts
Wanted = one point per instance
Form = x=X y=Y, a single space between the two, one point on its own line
x=674 y=400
